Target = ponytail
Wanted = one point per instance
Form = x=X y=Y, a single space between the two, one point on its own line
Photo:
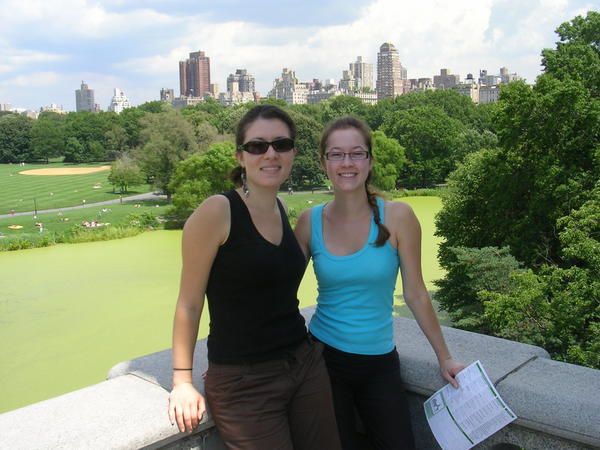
x=383 y=234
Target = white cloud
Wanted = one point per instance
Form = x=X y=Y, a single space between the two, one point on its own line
x=13 y=59
x=463 y=36
x=77 y=18
x=32 y=80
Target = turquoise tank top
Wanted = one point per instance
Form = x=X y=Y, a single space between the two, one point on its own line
x=356 y=292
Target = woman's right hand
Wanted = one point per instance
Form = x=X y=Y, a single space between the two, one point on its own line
x=186 y=406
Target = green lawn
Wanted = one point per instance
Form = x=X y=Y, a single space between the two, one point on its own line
x=61 y=222
x=18 y=192
x=68 y=313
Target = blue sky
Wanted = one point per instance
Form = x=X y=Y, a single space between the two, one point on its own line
x=48 y=47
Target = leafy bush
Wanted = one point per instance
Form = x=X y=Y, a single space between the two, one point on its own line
x=470 y=272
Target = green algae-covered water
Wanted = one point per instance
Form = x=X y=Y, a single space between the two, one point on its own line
x=68 y=313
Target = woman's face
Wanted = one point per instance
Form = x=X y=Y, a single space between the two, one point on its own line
x=272 y=168
x=350 y=172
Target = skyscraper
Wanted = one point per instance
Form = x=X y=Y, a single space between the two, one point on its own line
x=119 y=101
x=84 y=99
x=288 y=88
x=445 y=79
x=245 y=81
x=167 y=95
x=194 y=75
x=363 y=73
x=390 y=73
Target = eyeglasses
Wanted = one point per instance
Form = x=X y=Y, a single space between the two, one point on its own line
x=260 y=147
x=340 y=156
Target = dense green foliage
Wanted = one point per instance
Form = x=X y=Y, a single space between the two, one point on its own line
x=124 y=173
x=389 y=160
x=200 y=176
x=15 y=138
x=435 y=129
x=537 y=197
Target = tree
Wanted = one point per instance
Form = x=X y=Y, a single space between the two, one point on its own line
x=166 y=139
x=389 y=160
x=15 y=138
x=481 y=205
x=433 y=142
x=206 y=134
x=343 y=105
x=124 y=172
x=557 y=308
x=577 y=54
x=538 y=195
x=306 y=171
x=116 y=140
x=90 y=130
x=129 y=119
x=200 y=176
x=154 y=107
x=47 y=137
x=74 y=150
x=470 y=272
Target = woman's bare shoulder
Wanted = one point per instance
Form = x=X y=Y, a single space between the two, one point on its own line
x=398 y=211
x=211 y=216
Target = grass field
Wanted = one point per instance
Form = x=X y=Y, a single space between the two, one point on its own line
x=68 y=313
x=61 y=222
x=24 y=192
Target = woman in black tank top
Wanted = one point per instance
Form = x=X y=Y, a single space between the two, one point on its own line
x=266 y=385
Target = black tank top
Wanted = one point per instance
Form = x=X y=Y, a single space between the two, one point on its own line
x=252 y=292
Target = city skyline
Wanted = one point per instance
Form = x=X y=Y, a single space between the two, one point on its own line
x=47 y=49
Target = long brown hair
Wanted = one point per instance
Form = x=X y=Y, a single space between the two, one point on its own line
x=258 y=112
x=344 y=123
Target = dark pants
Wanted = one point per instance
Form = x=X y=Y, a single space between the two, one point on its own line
x=280 y=404
x=372 y=385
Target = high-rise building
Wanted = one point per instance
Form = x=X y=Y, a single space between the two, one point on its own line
x=245 y=81
x=445 y=79
x=288 y=88
x=84 y=99
x=167 y=95
x=194 y=75
x=420 y=84
x=119 y=101
x=348 y=83
x=391 y=75
x=363 y=73
x=53 y=107
x=470 y=90
x=488 y=94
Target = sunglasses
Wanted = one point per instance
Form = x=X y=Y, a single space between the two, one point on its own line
x=260 y=147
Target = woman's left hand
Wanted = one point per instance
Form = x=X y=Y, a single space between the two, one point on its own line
x=449 y=368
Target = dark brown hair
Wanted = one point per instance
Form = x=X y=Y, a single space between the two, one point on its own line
x=345 y=123
x=258 y=112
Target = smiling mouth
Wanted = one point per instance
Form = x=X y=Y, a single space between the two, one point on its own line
x=347 y=175
x=271 y=169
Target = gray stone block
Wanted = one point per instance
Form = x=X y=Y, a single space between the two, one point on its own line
x=420 y=370
x=156 y=367
x=122 y=413
x=556 y=398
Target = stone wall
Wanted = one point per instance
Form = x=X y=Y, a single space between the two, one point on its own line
x=558 y=404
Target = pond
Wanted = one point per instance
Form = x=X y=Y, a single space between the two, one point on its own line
x=68 y=313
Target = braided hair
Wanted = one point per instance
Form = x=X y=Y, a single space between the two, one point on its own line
x=344 y=123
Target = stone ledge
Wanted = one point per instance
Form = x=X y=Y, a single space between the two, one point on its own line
x=557 y=403
x=556 y=398
x=420 y=370
x=123 y=413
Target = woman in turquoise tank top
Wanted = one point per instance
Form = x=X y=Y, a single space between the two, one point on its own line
x=358 y=243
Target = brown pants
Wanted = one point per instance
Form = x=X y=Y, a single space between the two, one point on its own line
x=283 y=404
